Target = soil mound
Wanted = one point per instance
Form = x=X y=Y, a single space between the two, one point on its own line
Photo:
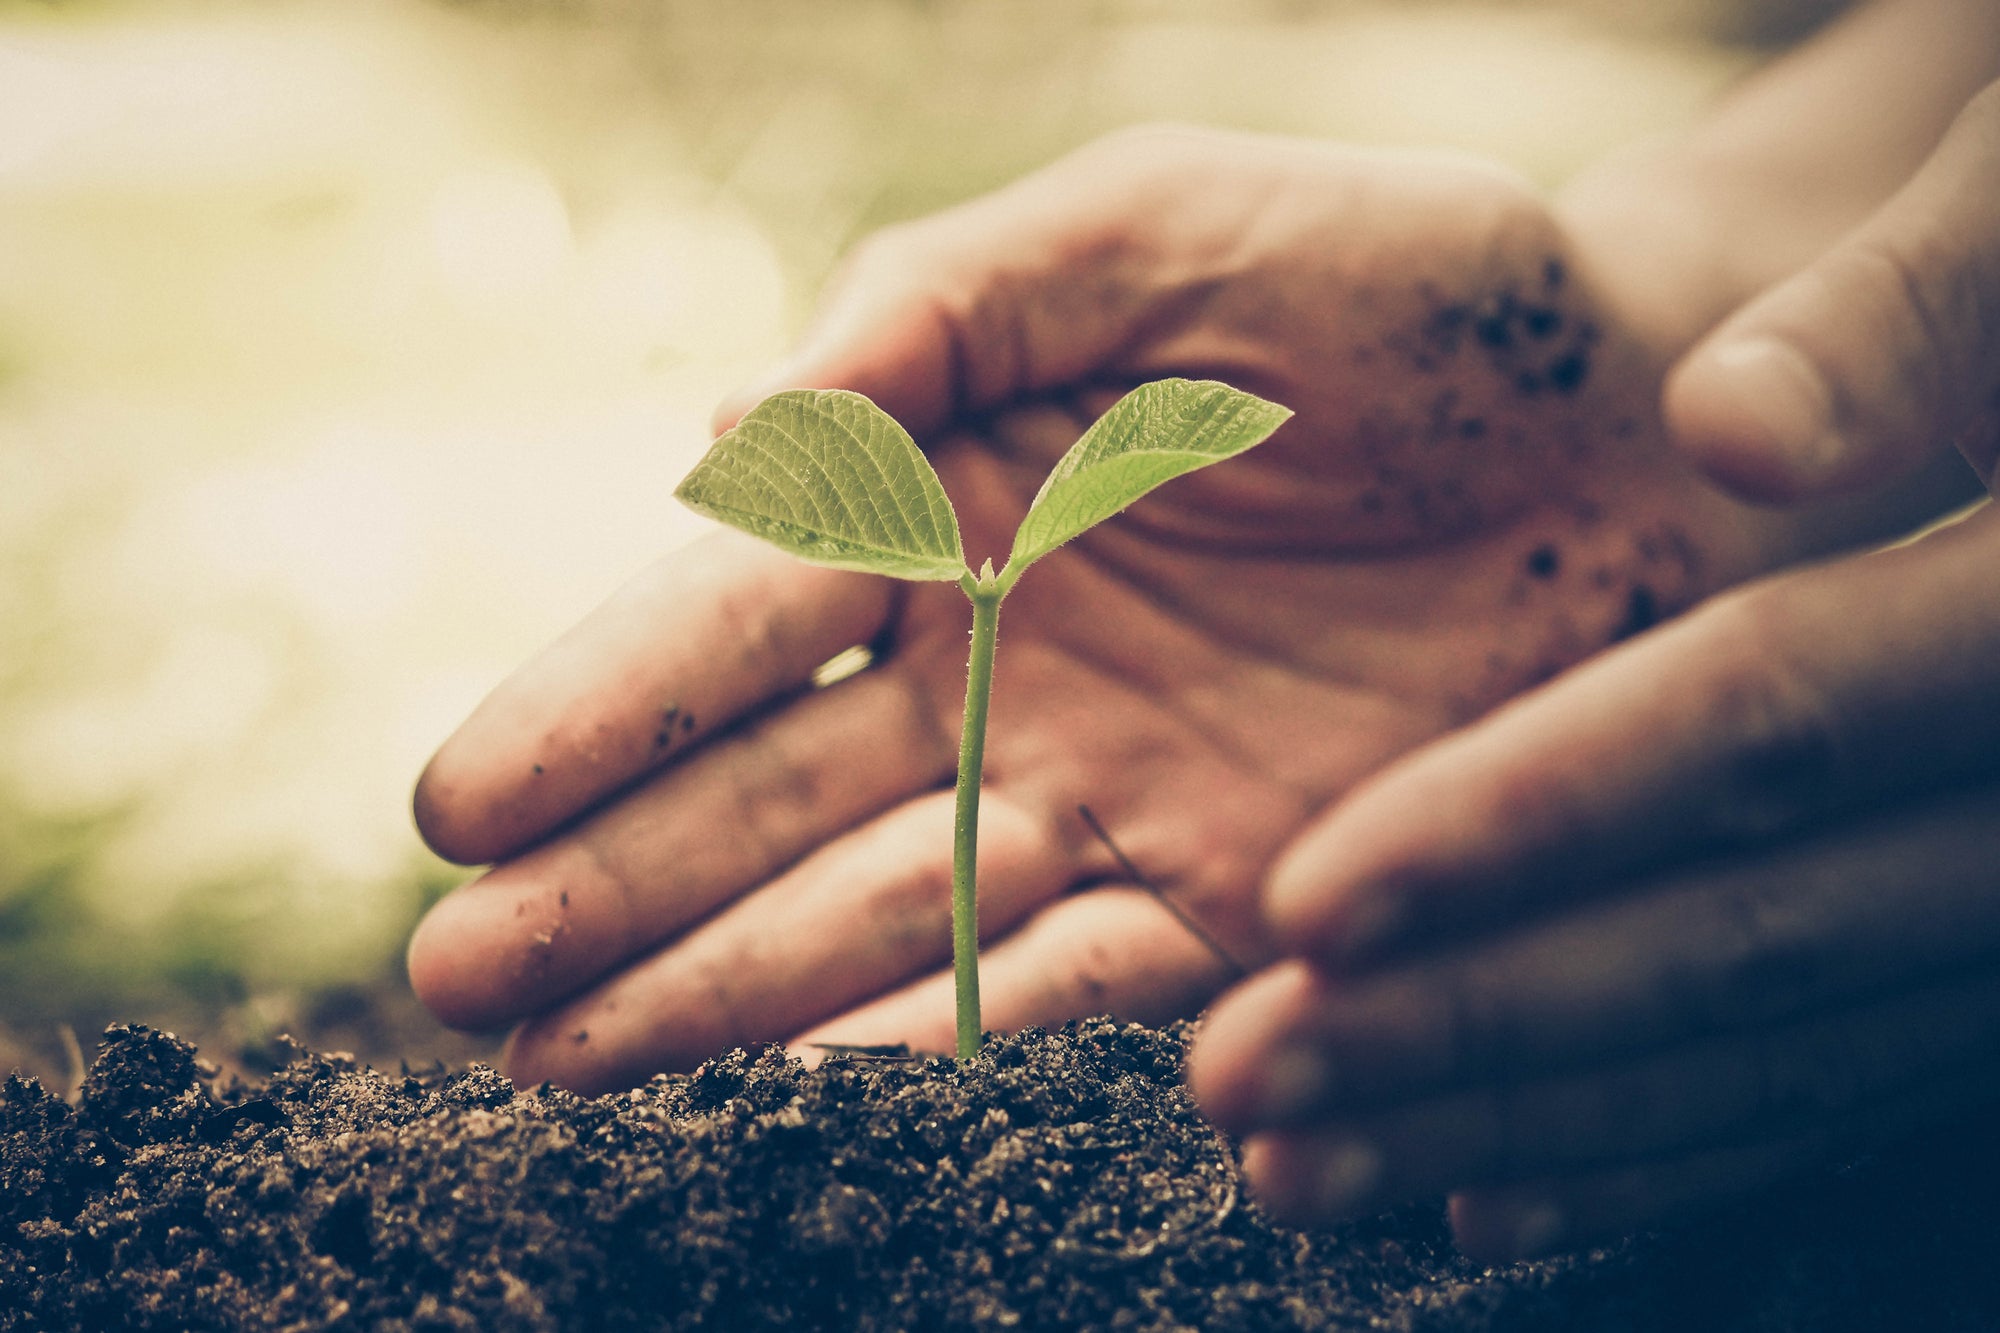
x=1061 y=1181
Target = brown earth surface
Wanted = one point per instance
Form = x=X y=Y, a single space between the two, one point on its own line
x=1060 y=1181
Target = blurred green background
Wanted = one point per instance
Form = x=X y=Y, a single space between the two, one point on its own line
x=350 y=349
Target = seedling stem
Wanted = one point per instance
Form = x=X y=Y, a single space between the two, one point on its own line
x=830 y=477
x=985 y=594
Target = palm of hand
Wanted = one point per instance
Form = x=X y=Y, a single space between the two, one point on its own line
x=1473 y=495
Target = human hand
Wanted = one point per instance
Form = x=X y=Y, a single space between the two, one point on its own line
x=1721 y=903
x=1716 y=906
x=695 y=851
x=1883 y=350
x=1754 y=852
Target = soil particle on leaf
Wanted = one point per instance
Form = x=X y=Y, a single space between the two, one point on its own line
x=1059 y=1181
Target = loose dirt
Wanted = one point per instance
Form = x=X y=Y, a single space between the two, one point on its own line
x=1061 y=1181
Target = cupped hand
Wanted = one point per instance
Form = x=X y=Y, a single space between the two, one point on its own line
x=696 y=849
x=1724 y=902
x=1716 y=906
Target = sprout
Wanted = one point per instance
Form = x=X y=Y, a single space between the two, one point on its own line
x=832 y=478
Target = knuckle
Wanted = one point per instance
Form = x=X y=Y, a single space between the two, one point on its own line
x=774 y=795
x=1779 y=741
x=1762 y=962
x=1916 y=302
x=750 y=620
x=1088 y=982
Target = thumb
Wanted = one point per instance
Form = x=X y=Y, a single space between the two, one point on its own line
x=1884 y=349
x=1028 y=288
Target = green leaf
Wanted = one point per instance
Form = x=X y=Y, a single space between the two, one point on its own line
x=1153 y=434
x=830 y=477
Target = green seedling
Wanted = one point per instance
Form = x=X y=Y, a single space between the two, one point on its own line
x=832 y=478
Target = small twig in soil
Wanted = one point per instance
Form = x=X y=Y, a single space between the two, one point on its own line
x=1192 y=926
x=73 y=1052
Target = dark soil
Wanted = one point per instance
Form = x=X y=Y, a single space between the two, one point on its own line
x=1059 y=1181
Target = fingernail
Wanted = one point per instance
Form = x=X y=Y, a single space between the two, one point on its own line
x=1778 y=393
x=1295 y=1081
x=1345 y=1174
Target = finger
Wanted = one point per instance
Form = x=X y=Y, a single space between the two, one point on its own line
x=1747 y=1087
x=1860 y=912
x=1881 y=352
x=684 y=649
x=1028 y=288
x=1519 y=1221
x=540 y=927
x=1761 y=711
x=1109 y=950
x=856 y=918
